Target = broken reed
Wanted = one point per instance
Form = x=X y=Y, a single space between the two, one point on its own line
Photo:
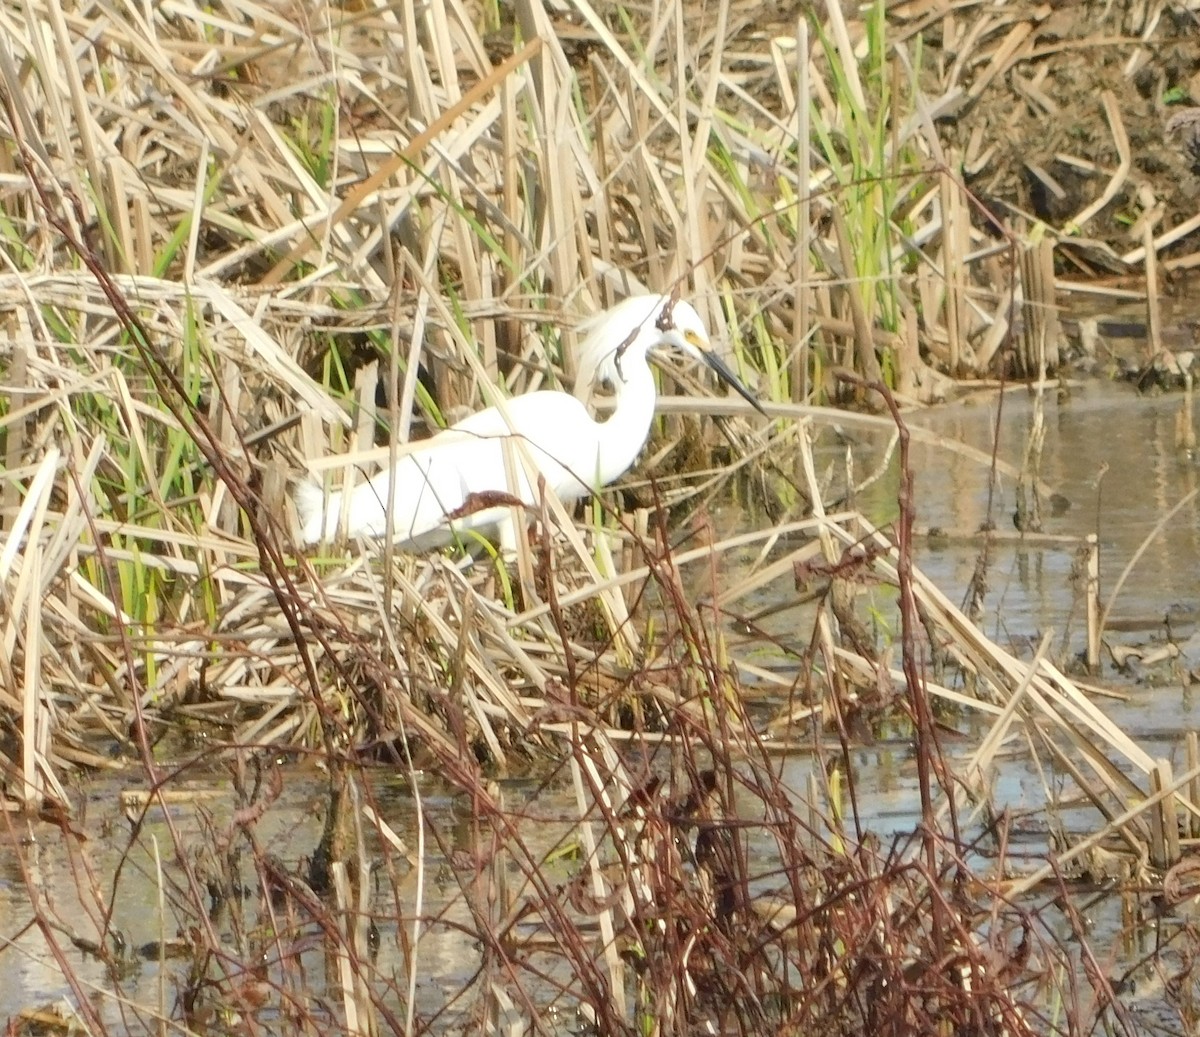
x=679 y=875
x=467 y=244
x=284 y=228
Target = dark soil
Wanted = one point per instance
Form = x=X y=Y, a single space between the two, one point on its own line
x=1045 y=115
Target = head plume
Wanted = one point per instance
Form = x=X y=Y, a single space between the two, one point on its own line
x=628 y=330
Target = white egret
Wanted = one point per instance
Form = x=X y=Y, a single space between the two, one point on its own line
x=470 y=475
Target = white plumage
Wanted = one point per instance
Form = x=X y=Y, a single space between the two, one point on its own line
x=469 y=476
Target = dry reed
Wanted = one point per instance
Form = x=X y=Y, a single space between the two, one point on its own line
x=218 y=222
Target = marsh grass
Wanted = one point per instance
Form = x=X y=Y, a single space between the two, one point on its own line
x=223 y=230
x=247 y=228
x=666 y=873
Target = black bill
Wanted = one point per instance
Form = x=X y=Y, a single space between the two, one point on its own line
x=730 y=379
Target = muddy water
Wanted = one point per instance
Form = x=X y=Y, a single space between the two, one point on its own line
x=1122 y=463
x=1109 y=454
x=1100 y=427
x=123 y=858
x=1116 y=458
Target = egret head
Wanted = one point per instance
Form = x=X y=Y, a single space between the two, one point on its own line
x=616 y=343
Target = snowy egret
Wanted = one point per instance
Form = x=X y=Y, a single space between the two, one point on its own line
x=472 y=474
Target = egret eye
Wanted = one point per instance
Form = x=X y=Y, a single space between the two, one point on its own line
x=695 y=339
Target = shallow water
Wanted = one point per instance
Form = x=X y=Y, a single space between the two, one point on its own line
x=1110 y=453
x=1116 y=457
x=1031 y=592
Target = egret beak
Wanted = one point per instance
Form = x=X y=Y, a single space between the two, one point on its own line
x=729 y=378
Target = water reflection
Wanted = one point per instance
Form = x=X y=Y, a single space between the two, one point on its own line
x=1113 y=454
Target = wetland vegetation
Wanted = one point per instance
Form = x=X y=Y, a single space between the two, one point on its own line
x=632 y=781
